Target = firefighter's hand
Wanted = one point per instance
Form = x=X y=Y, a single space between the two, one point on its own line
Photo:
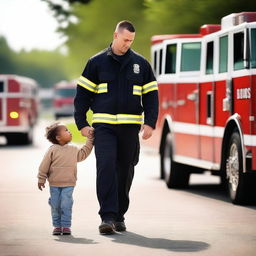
x=88 y=131
x=147 y=132
x=41 y=186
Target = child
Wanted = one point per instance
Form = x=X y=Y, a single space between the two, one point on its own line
x=59 y=166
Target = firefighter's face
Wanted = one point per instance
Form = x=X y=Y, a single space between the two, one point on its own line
x=64 y=135
x=123 y=41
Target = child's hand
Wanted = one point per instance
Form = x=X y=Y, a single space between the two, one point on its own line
x=41 y=186
x=87 y=131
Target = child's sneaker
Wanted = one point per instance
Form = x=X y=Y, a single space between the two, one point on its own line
x=56 y=231
x=66 y=231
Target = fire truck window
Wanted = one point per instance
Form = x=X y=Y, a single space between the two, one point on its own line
x=1 y=86
x=160 y=62
x=209 y=58
x=253 y=45
x=238 y=51
x=155 y=61
x=190 y=57
x=223 y=54
x=170 y=59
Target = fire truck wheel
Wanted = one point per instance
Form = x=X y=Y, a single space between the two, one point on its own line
x=174 y=174
x=20 y=138
x=239 y=183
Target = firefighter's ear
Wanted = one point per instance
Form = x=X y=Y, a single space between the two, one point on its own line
x=115 y=35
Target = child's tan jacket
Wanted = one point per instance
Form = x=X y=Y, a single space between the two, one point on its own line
x=59 y=164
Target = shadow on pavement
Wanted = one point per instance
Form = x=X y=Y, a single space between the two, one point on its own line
x=159 y=243
x=215 y=191
x=74 y=240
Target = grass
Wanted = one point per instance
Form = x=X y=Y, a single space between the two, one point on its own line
x=76 y=134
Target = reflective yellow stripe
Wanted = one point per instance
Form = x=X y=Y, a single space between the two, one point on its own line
x=152 y=86
x=87 y=84
x=116 y=119
x=101 y=88
x=137 y=90
x=87 y=81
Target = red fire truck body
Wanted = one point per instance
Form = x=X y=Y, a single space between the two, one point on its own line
x=207 y=93
x=64 y=93
x=18 y=108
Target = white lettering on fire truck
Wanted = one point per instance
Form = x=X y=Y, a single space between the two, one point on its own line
x=243 y=93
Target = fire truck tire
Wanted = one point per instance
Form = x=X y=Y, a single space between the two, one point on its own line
x=174 y=173
x=20 y=138
x=240 y=184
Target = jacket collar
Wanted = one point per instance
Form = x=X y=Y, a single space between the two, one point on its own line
x=110 y=53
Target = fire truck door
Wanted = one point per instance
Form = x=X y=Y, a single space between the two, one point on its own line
x=206 y=121
x=186 y=117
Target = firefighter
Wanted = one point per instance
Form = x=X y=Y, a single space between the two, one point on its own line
x=118 y=85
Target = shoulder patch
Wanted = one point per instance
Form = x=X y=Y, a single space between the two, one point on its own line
x=136 y=68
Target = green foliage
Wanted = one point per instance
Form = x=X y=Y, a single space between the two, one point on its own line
x=45 y=67
x=97 y=20
x=186 y=16
x=6 y=58
x=76 y=134
x=94 y=31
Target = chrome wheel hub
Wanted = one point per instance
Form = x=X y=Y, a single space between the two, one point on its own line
x=167 y=161
x=232 y=167
x=167 y=158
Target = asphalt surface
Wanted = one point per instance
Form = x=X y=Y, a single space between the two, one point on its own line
x=198 y=221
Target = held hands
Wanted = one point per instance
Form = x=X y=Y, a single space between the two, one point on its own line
x=88 y=132
x=41 y=186
x=147 y=131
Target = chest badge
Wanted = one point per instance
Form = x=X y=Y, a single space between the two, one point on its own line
x=136 y=68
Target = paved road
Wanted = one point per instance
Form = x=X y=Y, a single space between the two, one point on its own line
x=198 y=221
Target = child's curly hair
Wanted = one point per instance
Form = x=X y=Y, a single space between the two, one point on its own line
x=52 y=132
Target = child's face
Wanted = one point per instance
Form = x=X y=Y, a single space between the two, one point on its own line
x=64 y=135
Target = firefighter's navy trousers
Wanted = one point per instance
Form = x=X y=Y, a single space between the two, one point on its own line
x=117 y=151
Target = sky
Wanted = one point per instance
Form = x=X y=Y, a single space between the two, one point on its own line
x=28 y=24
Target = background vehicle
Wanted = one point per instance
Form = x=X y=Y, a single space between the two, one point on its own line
x=18 y=108
x=207 y=92
x=64 y=93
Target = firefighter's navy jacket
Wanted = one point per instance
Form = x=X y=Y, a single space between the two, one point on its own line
x=117 y=91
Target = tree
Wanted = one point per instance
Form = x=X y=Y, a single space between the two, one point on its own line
x=96 y=20
x=186 y=16
x=96 y=23
x=45 y=67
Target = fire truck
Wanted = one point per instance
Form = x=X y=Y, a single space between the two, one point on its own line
x=18 y=108
x=64 y=93
x=207 y=94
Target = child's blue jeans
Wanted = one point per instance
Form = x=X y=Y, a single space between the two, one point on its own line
x=61 y=202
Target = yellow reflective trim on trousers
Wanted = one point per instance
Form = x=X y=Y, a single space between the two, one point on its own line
x=137 y=90
x=87 y=84
x=116 y=119
x=152 y=86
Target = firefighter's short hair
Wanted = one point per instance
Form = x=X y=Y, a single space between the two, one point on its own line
x=125 y=24
x=52 y=132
